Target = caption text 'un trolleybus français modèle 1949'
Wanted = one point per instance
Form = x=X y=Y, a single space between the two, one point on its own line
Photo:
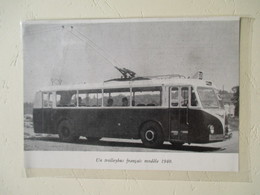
x=154 y=109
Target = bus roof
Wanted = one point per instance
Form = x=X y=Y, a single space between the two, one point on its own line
x=135 y=83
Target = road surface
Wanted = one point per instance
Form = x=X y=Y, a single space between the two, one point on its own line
x=41 y=142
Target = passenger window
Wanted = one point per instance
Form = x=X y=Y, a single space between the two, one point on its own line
x=83 y=99
x=149 y=96
x=90 y=98
x=50 y=103
x=184 y=96
x=58 y=97
x=73 y=100
x=116 y=97
x=194 y=101
x=174 y=97
x=66 y=98
x=94 y=99
x=47 y=100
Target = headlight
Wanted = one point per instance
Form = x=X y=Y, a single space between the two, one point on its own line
x=211 y=129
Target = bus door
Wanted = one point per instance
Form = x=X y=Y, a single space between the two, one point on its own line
x=47 y=104
x=179 y=114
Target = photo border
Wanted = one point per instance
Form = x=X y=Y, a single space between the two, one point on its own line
x=242 y=175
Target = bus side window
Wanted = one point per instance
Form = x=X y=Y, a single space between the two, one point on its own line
x=83 y=99
x=38 y=100
x=194 y=101
x=94 y=99
x=73 y=101
x=50 y=103
x=58 y=97
x=174 y=96
x=45 y=100
x=89 y=98
x=116 y=97
x=184 y=96
x=66 y=98
x=147 y=96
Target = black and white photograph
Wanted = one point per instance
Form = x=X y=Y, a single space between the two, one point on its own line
x=139 y=94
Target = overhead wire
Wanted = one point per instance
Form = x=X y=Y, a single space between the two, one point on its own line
x=76 y=35
x=82 y=37
x=97 y=47
x=93 y=47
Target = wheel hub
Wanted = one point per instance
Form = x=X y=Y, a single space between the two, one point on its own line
x=149 y=135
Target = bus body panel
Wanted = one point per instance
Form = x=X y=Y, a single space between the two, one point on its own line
x=191 y=126
x=118 y=123
x=47 y=116
x=126 y=123
x=179 y=124
x=42 y=120
x=199 y=122
x=38 y=120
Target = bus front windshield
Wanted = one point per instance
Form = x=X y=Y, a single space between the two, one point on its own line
x=208 y=98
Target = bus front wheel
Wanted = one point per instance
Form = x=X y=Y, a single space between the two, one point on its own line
x=66 y=133
x=151 y=135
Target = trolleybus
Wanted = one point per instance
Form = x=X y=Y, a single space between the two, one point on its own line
x=153 y=109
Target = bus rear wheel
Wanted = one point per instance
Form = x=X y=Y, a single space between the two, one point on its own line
x=151 y=135
x=66 y=133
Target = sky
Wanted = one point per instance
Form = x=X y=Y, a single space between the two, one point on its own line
x=79 y=51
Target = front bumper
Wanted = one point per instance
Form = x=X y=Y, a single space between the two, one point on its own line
x=220 y=137
x=216 y=137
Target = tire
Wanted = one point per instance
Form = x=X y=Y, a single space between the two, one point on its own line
x=177 y=144
x=66 y=133
x=93 y=139
x=151 y=135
